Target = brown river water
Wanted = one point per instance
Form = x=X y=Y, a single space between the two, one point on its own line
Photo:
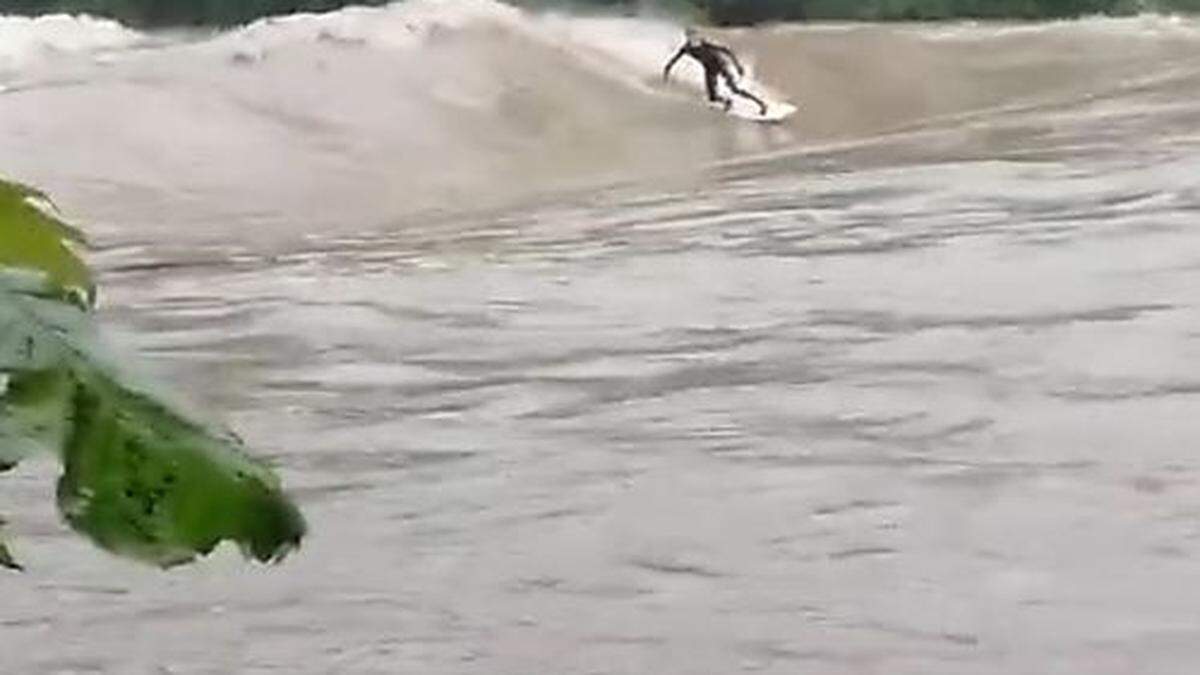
x=574 y=375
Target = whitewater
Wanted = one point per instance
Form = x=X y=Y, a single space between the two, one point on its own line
x=573 y=374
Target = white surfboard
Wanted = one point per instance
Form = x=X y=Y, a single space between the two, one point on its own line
x=748 y=110
x=776 y=112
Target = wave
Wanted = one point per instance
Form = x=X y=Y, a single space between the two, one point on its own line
x=363 y=114
x=24 y=41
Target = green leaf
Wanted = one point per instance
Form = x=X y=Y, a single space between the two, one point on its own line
x=6 y=558
x=36 y=336
x=144 y=482
x=141 y=479
x=33 y=415
x=38 y=328
x=34 y=237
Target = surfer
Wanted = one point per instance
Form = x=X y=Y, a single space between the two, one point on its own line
x=716 y=60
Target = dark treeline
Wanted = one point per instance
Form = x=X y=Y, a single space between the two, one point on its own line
x=723 y=12
x=749 y=11
x=174 y=12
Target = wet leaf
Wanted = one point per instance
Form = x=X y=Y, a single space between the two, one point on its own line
x=6 y=558
x=34 y=237
x=146 y=483
x=141 y=478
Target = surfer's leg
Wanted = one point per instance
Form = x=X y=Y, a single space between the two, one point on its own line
x=710 y=84
x=733 y=86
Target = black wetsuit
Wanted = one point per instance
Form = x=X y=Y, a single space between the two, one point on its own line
x=715 y=60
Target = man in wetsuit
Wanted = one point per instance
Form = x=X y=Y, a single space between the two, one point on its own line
x=715 y=59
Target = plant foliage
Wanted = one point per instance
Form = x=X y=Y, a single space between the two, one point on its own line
x=140 y=478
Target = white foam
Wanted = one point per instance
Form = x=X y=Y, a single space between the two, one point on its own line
x=621 y=47
x=631 y=49
x=25 y=40
x=1149 y=25
x=402 y=25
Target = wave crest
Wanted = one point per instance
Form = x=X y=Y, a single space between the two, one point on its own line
x=24 y=41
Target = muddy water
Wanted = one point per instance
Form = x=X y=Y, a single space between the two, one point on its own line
x=905 y=396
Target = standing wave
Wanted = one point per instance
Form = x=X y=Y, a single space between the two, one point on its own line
x=25 y=41
x=315 y=121
x=366 y=115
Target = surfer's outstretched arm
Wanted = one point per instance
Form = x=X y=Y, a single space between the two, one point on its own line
x=671 y=64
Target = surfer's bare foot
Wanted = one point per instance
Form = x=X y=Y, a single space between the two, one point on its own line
x=728 y=104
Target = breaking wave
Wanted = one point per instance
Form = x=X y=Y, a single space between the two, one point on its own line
x=25 y=41
x=365 y=114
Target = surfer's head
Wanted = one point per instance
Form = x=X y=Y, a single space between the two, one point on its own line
x=691 y=35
